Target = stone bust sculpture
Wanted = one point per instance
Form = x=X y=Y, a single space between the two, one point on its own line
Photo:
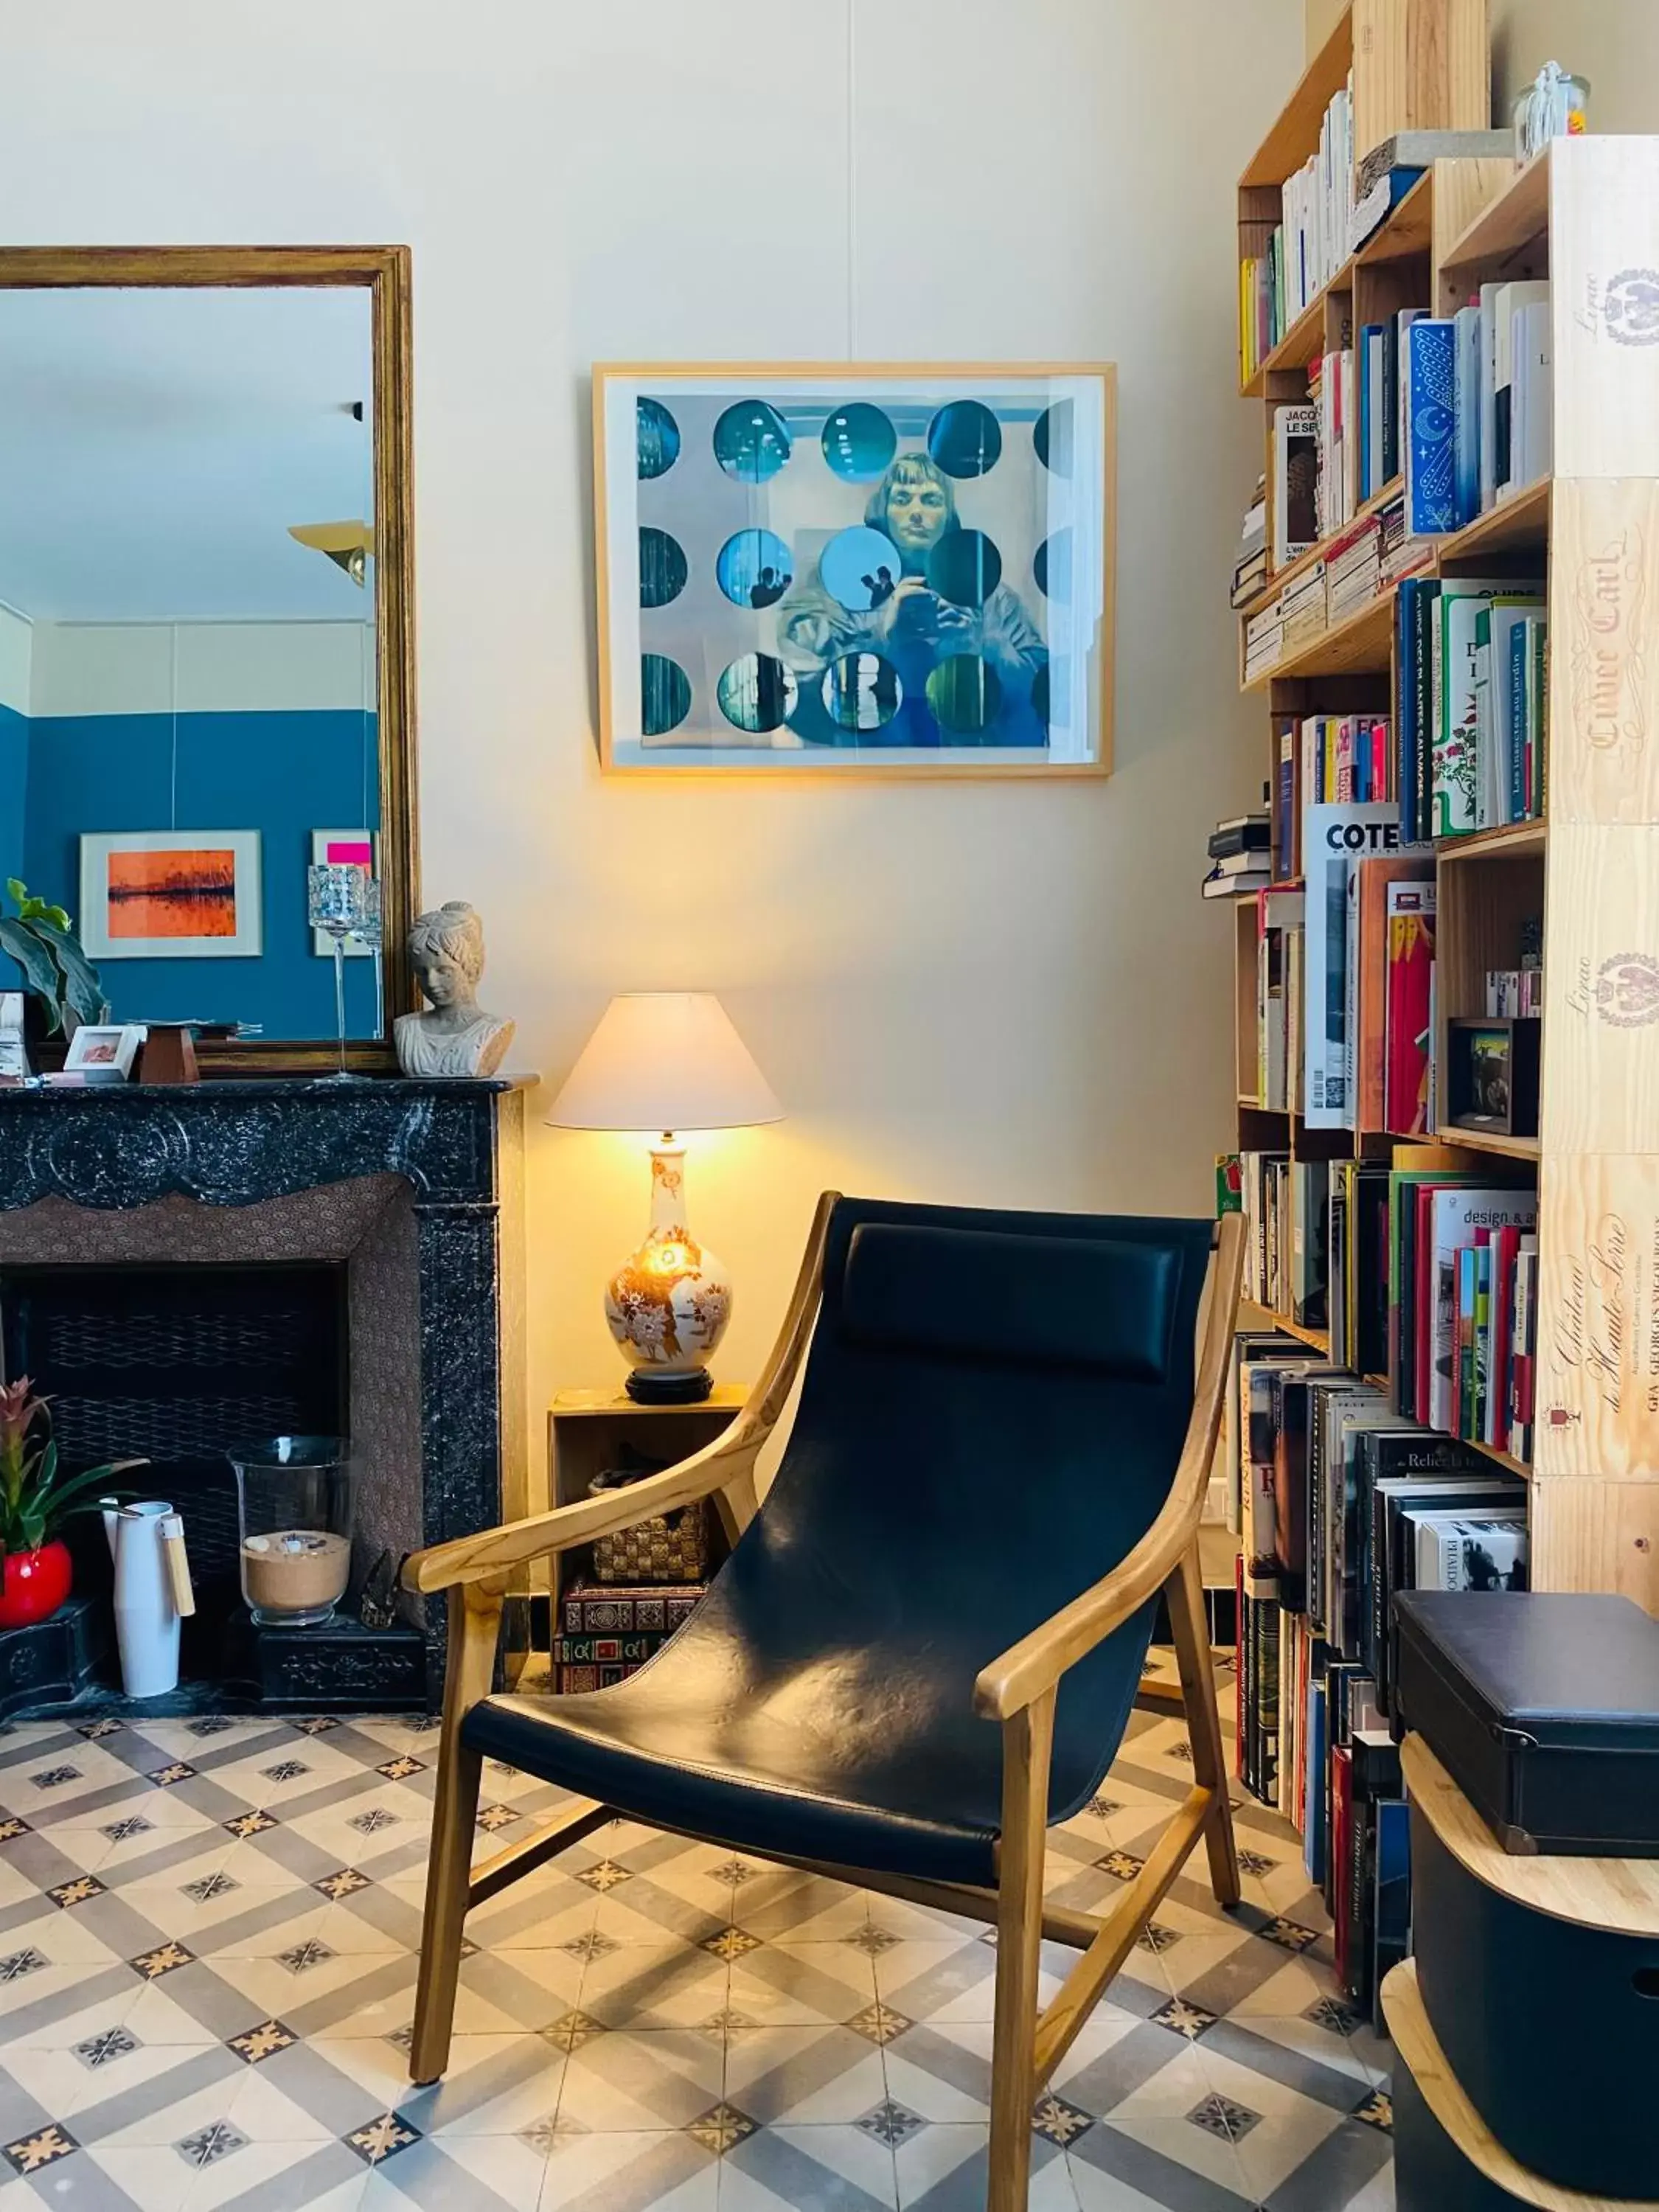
x=457 y=1037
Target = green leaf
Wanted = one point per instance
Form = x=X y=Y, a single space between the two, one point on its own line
x=40 y=969
x=85 y=990
x=15 y=890
x=31 y=1531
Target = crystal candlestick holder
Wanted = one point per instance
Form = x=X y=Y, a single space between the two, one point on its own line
x=337 y=903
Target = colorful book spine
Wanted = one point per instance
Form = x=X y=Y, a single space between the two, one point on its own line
x=598 y=1609
x=1430 y=424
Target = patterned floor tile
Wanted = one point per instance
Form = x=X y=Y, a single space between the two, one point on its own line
x=649 y=2026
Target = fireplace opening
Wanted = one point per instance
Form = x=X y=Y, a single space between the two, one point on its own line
x=176 y=1364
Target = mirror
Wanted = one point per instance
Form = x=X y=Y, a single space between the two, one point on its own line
x=204 y=647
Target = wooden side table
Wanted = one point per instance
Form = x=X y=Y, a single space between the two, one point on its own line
x=587 y=1431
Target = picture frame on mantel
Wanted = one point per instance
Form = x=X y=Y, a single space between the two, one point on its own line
x=385 y=272
x=883 y=570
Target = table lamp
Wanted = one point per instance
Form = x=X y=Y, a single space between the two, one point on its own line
x=669 y=1060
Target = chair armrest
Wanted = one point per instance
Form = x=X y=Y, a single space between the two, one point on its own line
x=728 y=1460
x=1036 y=1664
x=515 y=1543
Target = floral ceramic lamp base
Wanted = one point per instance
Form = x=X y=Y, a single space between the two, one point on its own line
x=667 y=1305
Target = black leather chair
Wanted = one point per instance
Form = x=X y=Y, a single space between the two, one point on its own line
x=998 y=1461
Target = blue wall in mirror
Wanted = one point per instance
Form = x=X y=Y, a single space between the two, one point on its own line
x=14 y=774
x=283 y=774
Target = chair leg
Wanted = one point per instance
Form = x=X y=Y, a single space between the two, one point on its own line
x=1185 y=1593
x=1027 y=1739
x=475 y=1617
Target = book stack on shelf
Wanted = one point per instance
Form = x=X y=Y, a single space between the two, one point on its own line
x=1309 y=244
x=1239 y=854
x=1474 y=701
x=1250 y=570
x=607 y=1632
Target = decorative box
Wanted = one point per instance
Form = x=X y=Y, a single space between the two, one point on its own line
x=605 y=1609
x=1543 y=1708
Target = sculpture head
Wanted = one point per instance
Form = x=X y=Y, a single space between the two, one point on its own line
x=446 y=950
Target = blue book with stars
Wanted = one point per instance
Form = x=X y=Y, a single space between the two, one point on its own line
x=1429 y=382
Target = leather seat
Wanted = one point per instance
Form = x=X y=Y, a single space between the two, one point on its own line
x=992 y=1412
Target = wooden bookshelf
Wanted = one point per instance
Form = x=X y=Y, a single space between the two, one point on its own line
x=1586 y=215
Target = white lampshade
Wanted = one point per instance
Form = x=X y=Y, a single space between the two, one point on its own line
x=664 y=1060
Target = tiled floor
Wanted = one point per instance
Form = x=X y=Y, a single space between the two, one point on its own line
x=207 y=1967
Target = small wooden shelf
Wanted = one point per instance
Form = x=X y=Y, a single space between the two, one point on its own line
x=1257 y=1317
x=1493 y=844
x=1620 y=1895
x=1419 y=2052
x=1524 y=520
x=1361 y=644
x=1408 y=227
x=1508 y=224
x=1488 y=1140
x=1501 y=1458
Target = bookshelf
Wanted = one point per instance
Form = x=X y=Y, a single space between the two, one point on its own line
x=1585 y=215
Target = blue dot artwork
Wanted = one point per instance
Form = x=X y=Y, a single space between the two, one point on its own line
x=965 y=439
x=752 y=441
x=756 y=693
x=965 y=695
x=861 y=691
x=859 y=441
x=861 y=567
x=964 y=567
x=665 y=694
x=656 y=438
x=1052 y=567
x=1055 y=437
x=662 y=568
x=755 y=568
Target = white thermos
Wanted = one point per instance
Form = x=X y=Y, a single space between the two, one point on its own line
x=152 y=1591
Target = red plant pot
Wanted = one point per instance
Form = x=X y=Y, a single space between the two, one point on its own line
x=33 y=1584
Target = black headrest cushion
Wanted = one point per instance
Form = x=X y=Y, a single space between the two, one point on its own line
x=1042 y=1301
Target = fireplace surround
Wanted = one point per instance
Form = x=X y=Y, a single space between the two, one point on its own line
x=400 y=1203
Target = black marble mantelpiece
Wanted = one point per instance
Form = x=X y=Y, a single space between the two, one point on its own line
x=243 y=1142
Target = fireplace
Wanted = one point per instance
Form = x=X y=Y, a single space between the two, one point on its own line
x=184 y=1269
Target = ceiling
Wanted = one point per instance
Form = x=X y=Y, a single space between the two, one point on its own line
x=155 y=446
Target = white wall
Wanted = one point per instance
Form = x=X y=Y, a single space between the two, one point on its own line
x=16 y=654
x=199 y=668
x=1004 y=993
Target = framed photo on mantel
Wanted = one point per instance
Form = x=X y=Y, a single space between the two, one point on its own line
x=855 y=569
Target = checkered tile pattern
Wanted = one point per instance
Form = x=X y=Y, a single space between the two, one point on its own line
x=208 y=1938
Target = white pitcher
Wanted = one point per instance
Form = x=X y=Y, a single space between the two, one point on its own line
x=146 y=1617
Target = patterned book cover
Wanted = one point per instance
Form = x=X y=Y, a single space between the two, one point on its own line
x=1431 y=426
x=612 y=1609
x=572 y=1650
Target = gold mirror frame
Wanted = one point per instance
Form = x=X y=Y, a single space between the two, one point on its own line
x=385 y=271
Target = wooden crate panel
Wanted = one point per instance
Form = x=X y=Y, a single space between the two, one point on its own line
x=1604 y=651
x=1419 y=65
x=1597 y=1409
x=1594 y=1535
x=1604 y=271
x=1600 y=1065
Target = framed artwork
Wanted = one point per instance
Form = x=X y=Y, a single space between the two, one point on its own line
x=170 y=894
x=104 y=1052
x=890 y=570
x=354 y=849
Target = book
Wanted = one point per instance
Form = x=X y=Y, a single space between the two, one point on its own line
x=1466 y=434
x=1455 y=1214
x=604 y=1608
x=1457 y=1551
x=1334 y=837
x=1532 y=438
x=1428 y=392
x=1454 y=768
x=1507 y=302
x=1294 y=483
x=1407 y=1040
x=1372 y=880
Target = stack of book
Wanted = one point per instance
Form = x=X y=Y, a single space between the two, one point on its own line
x=1354 y=569
x=1341 y=757
x=1476 y=394
x=1515 y=993
x=1463 y=1315
x=1264 y=639
x=1250 y=569
x=1473 y=703
x=1401 y=551
x=1239 y=854
x=1303 y=601
x=1339 y=1502
x=1308 y=246
x=607 y=1632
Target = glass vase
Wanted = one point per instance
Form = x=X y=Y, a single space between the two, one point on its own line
x=296 y=1506
x=337 y=903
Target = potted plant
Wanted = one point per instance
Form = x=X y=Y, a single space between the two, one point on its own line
x=64 y=985
x=35 y=1501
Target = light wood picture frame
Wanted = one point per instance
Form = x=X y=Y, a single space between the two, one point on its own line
x=881 y=569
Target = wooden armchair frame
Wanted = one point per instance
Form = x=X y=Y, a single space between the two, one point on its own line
x=1017 y=1690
